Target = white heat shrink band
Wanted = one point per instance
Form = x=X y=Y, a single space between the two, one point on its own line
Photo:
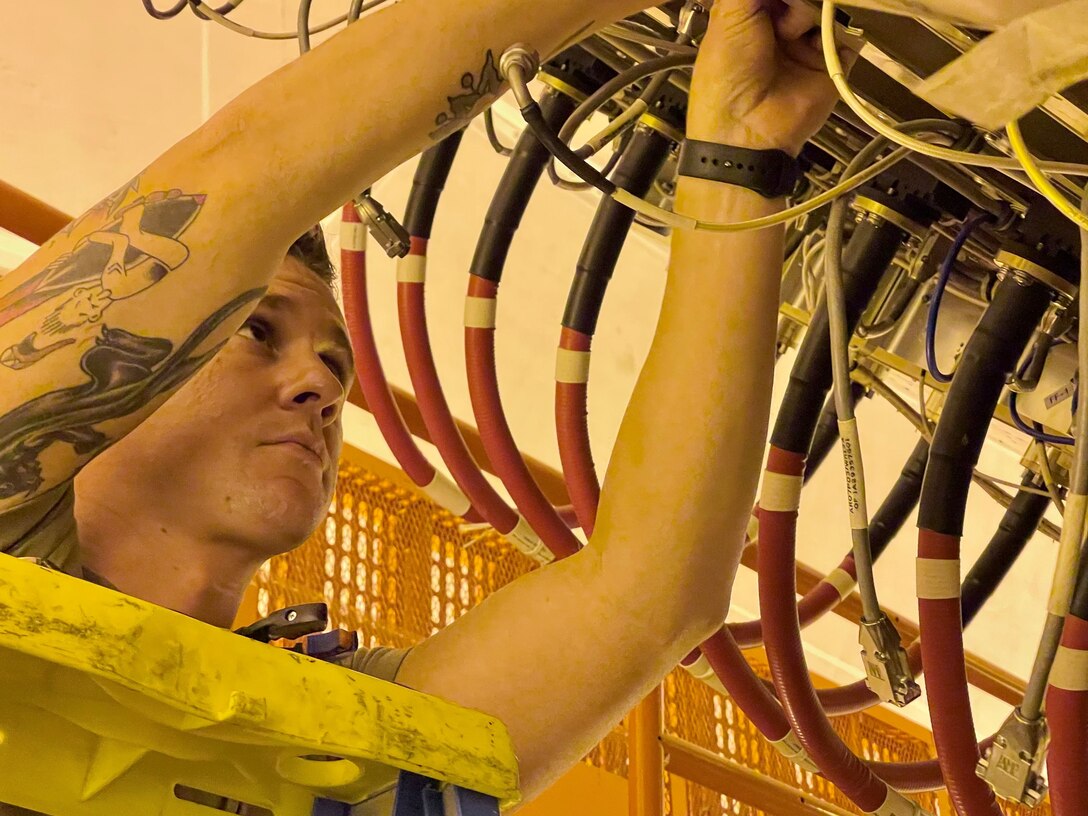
x=1016 y=69
x=412 y=269
x=1065 y=569
x=938 y=579
x=843 y=582
x=445 y=493
x=780 y=493
x=572 y=366
x=790 y=747
x=480 y=312
x=898 y=805
x=1070 y=669
x=353 y=236
x=528 y=542
x=701 y=670
x=855 y=474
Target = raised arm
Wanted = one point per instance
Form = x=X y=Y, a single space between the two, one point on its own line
x=121 y=307
x=563 y=653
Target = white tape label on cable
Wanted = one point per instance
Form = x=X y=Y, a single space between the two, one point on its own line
x=353 y=236
x=412 y=269
x=1070 y=670
x=842 y=580
x=480 y=312
x=447 y=494
x=938 y=579
x=528 y=542
x=780 y=493
x=855 y=474
x=701 y=670
x=572 y=366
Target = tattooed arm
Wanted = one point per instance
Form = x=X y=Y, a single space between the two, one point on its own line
x=123 y=305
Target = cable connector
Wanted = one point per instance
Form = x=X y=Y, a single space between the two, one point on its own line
x=887 y=671
x=383 y=227
x=791 y=748
x=1013 y=765
x=518 y=64
x=898 y=805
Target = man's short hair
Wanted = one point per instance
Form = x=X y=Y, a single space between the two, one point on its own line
x=309 y=248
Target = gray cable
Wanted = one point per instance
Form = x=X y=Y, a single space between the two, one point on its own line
x=840 y=361
x=1031 y=706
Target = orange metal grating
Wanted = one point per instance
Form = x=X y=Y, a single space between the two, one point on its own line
x=396 y=567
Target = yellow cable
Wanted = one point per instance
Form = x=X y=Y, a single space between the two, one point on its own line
x=680 y=221
x=838 y=76
x=1039 y=179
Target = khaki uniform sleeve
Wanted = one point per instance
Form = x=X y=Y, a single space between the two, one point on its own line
x=44 y=528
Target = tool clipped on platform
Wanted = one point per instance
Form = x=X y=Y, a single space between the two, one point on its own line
x=110 y=705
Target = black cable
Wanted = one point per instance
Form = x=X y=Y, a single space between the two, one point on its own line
x=511 y=198
x=636 y=173
x=988 y=359
x=432 y=172
x=222 y=11
x=606 y=170
x=1018 y=524
x=900 y=502
x=169 y=14
x=827 y=430
x=866 y=258
x=534 y=118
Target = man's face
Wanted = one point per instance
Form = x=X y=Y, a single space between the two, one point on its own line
x=247 y=450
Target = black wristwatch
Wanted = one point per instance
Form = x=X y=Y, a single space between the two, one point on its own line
x=771 y=173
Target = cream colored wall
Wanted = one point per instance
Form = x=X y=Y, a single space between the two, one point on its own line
x=92 y=92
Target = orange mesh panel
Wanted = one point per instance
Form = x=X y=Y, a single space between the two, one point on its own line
x=396 y=567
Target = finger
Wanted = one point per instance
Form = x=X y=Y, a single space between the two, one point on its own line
x=795 y=21
x=806 y=52
x=849 y=57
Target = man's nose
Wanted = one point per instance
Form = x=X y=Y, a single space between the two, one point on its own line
x=310 y=384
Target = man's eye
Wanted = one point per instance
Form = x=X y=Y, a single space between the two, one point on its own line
x=257 y=330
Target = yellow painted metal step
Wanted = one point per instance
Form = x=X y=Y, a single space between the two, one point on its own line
x=107 y=703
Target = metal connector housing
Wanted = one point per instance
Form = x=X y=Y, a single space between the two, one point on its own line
x=887 y=672
x=1013 y=765
x=383 y=227
x=898 y=805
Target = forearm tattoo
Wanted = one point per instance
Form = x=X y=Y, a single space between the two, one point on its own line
x=134 y=245
x=478 y=91
x=124 y=372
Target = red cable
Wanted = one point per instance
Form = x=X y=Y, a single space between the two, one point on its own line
x=371 y=375
x=943 y=663
x=761 y=707
x=1067 y=715
x=816 y=603
x=498 y=441
x=572 y=431
x=434 y=408
x=777 y=589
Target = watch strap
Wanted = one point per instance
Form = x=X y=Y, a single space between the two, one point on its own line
x=771 y=173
